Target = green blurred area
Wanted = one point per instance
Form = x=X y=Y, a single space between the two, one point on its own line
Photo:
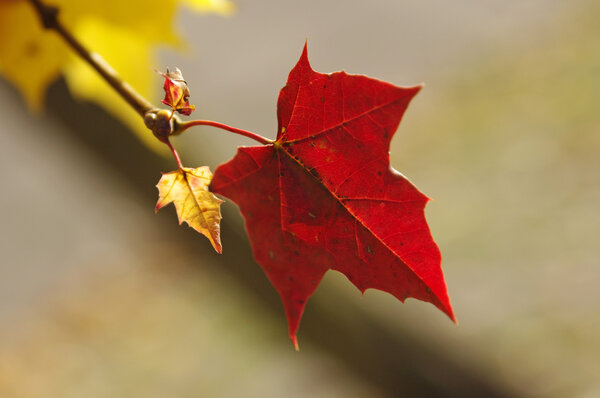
x=505 y=140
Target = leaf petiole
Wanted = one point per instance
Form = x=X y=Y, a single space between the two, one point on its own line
x=175 y=154
x=186 y=125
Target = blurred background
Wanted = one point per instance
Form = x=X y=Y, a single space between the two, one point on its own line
x=101 y=297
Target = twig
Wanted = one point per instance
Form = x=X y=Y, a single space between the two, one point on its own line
x=49 y=18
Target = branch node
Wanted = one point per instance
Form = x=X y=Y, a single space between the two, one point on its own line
x=161 y=123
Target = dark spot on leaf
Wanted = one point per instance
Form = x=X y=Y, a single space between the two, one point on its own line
x=315 y=173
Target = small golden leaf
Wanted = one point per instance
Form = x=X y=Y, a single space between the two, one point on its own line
x=195 y=204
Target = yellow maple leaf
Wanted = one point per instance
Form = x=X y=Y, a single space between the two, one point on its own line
x=126 y=33
x=188 y=189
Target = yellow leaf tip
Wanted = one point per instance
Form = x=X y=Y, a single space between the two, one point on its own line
x=295 y=342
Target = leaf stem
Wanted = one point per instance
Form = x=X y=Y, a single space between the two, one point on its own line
x=186 y=125
x=175 y=154
x=49 y=18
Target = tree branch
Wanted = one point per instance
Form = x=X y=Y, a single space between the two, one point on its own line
x=49 y=18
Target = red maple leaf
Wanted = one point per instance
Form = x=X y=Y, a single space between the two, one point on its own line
x=323 y=195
